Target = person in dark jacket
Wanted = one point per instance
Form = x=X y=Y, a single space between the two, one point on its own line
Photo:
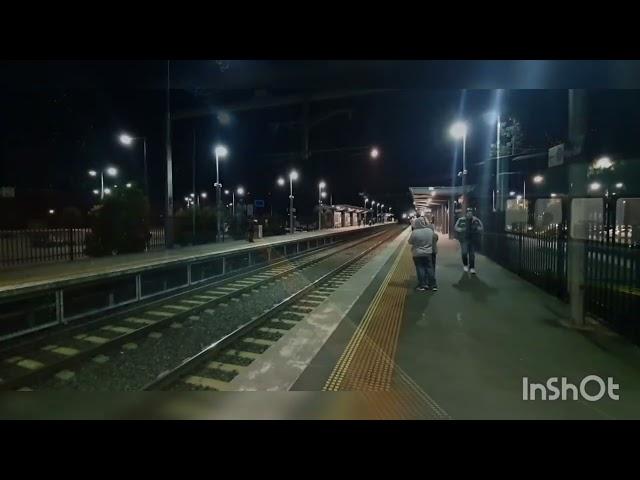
x=469 y=229
x=422 y=241
x=432 y=226
x=251 y=228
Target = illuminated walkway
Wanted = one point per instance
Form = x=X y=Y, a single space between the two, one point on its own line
x=462 y=352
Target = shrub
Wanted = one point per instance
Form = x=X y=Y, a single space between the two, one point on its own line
x=205 y=226
x=120 y=224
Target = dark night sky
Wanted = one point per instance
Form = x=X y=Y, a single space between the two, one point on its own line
x=63 y=118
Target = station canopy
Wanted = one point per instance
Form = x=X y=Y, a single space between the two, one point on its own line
x=345 y=208
x=429 y=197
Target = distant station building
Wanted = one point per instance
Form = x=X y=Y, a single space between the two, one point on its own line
x=337 y=216
x=441 y=204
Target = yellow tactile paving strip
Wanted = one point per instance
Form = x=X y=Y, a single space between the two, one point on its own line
x=367 y=364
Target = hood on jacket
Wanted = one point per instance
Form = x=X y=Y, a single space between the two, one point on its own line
x=420 y=222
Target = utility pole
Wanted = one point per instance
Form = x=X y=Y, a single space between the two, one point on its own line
x=291 y=222
x=576 y=269
x=193 y=187
x=168 y=221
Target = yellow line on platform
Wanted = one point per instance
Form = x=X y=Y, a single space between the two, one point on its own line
x=367 y=363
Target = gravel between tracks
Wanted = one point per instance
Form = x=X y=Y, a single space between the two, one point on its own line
x=130 y=368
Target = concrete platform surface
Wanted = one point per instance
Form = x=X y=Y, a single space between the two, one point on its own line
x=33 y=276
x=470 y=345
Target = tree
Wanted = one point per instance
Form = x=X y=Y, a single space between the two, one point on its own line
x=120 y=224
x=205 y=225
x=511 y=138
x=71 y=217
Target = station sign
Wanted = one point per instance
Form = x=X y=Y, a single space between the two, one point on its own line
x=259 y=203
x=556 y=155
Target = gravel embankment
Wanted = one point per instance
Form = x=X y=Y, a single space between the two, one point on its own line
x=134 y=365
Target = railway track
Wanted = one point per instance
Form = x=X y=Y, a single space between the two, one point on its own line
x=55 y=355
x=217 y=365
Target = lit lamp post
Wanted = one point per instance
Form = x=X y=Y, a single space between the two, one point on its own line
x=240 y=192
x=321 y=186
x=381 y=210
x=373 y=208
x=226 y=192
x=459 y=131
x=220 y=151
x=292 y=176
x=602 y=168
x=365 y=210
x=128 y=140
x=111 y=171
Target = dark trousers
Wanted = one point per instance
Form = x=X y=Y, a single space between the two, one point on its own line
x=468 y=253
x=425 y=271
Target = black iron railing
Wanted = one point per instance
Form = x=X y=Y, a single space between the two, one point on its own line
x=23 y=247
x=612 y=277
x=538 y=256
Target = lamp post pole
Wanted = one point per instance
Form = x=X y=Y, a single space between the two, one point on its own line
x=291 y=203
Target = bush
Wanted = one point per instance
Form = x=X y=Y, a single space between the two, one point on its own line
x=71 y=217
x=120 y=224
x=237 y=227
x=205 y=226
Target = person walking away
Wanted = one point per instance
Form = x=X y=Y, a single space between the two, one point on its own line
x=469 y=229
x=421 y=240
x=251 y=229
x=434 y=252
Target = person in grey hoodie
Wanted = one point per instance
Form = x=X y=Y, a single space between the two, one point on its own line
x=422 y=241
x=469 y=229
x=431 y=225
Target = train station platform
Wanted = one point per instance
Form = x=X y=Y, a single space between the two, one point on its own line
x=463 y=351
x=33 y=276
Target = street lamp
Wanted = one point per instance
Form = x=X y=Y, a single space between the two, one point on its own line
x=602 y=163
x=538 y=179
x=381 y=210
x=111 y=171
x=293 y=175
x=240 y=192
x=595 y=186
x=365 y=209
x=321 y=186
x=52 y=211
x=459 y=131
x=220 y=151
x=128 y=140
x=375 y=153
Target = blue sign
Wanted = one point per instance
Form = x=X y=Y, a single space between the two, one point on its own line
x=259 y=203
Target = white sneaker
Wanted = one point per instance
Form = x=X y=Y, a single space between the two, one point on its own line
x=466 y=269
x=473 y=270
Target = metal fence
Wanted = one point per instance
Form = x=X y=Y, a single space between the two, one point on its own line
x=23 y=247
x=539 y=256
x=612 y=278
